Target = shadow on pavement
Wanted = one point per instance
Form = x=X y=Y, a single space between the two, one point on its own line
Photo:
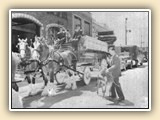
x=91 y=87
x=123 y=103
x=49 y=101
x=141 y=66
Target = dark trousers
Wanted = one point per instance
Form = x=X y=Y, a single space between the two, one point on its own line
x=116 y=88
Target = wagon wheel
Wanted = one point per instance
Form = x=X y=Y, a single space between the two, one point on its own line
x=87 y=75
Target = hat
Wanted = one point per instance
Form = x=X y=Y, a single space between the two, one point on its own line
x=111 y=47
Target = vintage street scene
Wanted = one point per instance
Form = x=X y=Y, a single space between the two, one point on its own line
x=63 y=59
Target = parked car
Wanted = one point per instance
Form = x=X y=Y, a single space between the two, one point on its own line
x=131 y=55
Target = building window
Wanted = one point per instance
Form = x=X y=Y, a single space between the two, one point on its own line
x=94 y=32
x=77 y=21
x=86 y=28
x=59 y=14
x=64 y=15
x=52 y=32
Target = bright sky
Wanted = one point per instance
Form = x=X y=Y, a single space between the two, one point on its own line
x=137 y=22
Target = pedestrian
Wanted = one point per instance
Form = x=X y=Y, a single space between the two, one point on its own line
x=115 y=69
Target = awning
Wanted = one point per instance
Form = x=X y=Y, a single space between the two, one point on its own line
x=106 y=33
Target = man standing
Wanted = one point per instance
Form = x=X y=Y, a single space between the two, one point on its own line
x=115 y=69
x=77 y=33
x=61 y=35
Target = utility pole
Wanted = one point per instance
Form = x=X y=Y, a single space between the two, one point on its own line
x=126 y=30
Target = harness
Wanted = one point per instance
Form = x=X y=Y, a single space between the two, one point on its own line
x=21 y=50
x=27 y=62
x=36 y=51
x=49 y=58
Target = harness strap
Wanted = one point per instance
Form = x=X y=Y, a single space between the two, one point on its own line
x=36 y=51
x=59 y=55
x=36 y=69
x=22 y=49
x=116 y=84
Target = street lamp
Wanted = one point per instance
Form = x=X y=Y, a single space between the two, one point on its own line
x=126 y=30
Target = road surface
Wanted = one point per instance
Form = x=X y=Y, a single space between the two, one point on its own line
x=134 y=83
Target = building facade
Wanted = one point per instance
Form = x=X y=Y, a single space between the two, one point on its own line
x=28 y=24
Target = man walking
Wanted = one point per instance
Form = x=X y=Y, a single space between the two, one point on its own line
x=115 y=69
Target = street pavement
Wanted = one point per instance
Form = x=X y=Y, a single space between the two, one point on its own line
x=134 y=83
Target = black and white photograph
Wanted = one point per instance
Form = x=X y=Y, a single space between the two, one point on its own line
x=79 y=60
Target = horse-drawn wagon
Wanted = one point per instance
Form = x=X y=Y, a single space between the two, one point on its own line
x=79 y=56
x=90 y=54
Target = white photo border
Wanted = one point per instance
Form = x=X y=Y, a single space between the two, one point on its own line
x=85 y=109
